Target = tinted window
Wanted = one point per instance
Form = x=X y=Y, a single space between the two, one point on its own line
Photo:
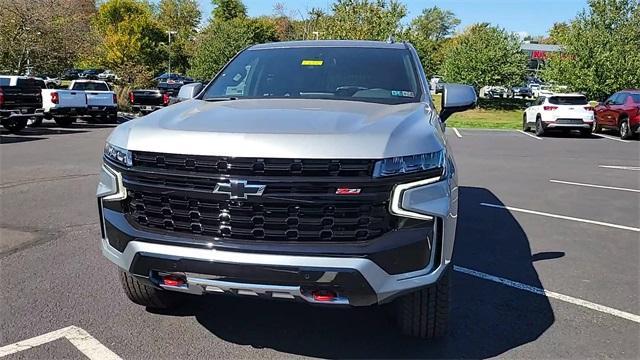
x=622 y=98
x=5 y=81
x=618 y=98
x=363 y=74
x=636 y=98
x=30 y=83
x=568 y=100
x=91 y=86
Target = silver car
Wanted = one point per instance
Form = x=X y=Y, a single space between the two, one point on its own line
x=311 y=171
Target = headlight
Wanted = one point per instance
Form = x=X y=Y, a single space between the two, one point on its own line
x=117 y=154
x=409 y=164
x=110 y=185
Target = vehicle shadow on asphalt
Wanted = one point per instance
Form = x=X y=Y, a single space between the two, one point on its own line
x=487 y=319
x=48 y=129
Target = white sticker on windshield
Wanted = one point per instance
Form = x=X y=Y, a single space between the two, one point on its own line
x=402 y=93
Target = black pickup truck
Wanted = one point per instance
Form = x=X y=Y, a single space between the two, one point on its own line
x=20 y=100
x=147 y=101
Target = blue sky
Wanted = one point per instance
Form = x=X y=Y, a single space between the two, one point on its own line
x=534 y=17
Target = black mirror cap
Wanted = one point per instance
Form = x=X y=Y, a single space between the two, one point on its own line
x=457 y=98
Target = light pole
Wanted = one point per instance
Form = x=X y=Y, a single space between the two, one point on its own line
x=170 y=32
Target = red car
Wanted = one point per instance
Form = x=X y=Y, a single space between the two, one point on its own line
x=620 y=112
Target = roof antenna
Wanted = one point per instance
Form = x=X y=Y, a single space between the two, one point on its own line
x=391 y=39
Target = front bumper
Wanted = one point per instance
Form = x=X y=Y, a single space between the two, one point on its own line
x=360 y=273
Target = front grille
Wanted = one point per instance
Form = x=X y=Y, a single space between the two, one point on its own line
x=180 y=194
x=569 y=121
x=221 y=165
x=266 y=220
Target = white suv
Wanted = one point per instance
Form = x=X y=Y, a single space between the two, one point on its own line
x=559 y=112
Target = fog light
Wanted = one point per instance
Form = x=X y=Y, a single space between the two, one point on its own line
x=324 y=295
x=173 y=280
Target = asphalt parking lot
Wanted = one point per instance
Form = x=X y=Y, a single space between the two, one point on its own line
x=558 y=213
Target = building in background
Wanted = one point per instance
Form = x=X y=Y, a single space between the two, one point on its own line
x=537 y=54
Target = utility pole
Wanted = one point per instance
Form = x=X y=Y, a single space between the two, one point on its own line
x=170 y=32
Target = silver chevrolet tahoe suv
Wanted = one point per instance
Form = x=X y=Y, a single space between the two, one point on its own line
x=312 y=171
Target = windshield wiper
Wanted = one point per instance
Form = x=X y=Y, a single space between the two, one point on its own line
x=220 y=98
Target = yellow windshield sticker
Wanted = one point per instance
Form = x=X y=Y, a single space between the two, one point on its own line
x=312 y=62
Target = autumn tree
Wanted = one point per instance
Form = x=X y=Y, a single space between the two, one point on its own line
x=129 y=40
x=29 y=28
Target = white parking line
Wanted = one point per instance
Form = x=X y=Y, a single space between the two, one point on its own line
x=457 y=133
x=617 y=167
x=611 y=138
x=551 y=294
x=81 y=339
x=587 y=221
x=594 y=186
x=530 y=135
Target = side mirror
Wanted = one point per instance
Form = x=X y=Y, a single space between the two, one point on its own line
x=189 y=91
x=456 y=98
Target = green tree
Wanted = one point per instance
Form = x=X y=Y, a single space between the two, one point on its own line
x=601 y=49
x=428 y=32
x=181 y=17
x=359 y=20
x=484 y=55
x=225 y=10
x=221 y=40
x=557 y=33
x=129 y=39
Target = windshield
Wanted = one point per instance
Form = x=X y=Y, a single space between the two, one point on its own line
x=91 y=86
x=342 y=73
x=568 y=100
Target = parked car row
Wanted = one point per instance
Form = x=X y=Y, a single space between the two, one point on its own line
x=23 y=98
x=89 y=74
x=566 y=112
x=144 y=101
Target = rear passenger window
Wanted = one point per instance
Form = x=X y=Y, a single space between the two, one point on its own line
x=636 y=98
x=30 y=83
x=568 y=100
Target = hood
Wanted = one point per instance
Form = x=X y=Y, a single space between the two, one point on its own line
x=284 y=128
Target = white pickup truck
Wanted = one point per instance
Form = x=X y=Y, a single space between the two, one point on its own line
x=89 y=99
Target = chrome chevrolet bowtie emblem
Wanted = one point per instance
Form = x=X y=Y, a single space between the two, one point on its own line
x=239 y=189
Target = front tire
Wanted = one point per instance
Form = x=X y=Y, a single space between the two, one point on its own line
x=425 y=313
x=595 y=128
x=15 y=125
x=145 y=295
x=37 y=122
x=625 y=130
